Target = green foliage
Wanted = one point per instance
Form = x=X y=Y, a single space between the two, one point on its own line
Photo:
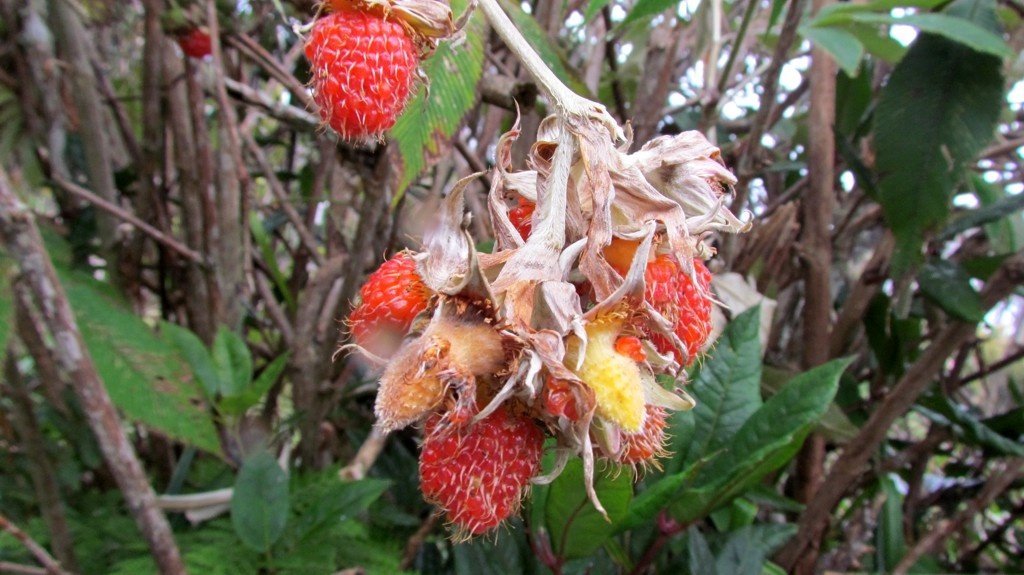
x=938 y=110
x=143 y=374
x=577 y=528
x=423 y=132
x=548 y=50
x=226 y=374
x=949 y=286
x=259 y=507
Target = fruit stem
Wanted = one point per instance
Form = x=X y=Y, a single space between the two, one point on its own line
x=566 y=102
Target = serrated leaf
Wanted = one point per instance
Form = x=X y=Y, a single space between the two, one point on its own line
x=949 y=286
x=233 y=361
x=727 y=387
x=144 y=375
x=845 y=47
x=577 y=529
x=423 y=132
x=939 y=108
x=765 y=442
x=260 y=506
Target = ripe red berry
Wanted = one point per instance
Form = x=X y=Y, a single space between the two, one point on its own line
x=391 y=298
x=688 y=306
x=522 y=217
x=642 y=446
x=478 y=473
x=363 y=68
x=559 y=400
x=631 y=347
x=196 y=43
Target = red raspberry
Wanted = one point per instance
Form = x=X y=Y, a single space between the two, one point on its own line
x=391 y=298
x=478 y=474
x=687 y=306
x=363 y=69
x=196 y=43
x=642 y=446
x=559 y=400
x=522 y=217
x=631 y=347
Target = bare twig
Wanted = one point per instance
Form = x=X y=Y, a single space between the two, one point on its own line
x=996 y=484
x=123 y=214
x=368 y=453
x=24 y=244
x=37 y=550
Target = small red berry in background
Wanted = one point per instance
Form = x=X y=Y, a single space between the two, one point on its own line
x=521 y=217
x=363 y=70
x=196 y=43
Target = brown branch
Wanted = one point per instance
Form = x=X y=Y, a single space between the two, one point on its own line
x=41 y=469
x=24 y=244
x=123 y=214
x=816 y=249
x=851 y=463
x=264 y=59
x=367 y=455
x=8 y=567
x=281 y=194
x=415 y=542
x=37 y=550
x=996 y=484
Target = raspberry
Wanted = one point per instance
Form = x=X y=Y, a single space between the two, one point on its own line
x=391 y=297
x=620 y=254
x=559 y=400
x=478 y=474
x=196 y=43
x=522 y=217
x=631 y=347
x=671 y=291
x=363 y=70
x=649 y=442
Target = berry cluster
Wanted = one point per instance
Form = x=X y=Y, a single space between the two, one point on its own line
x=476 y=464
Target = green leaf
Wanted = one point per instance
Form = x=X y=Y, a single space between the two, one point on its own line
x=949 y=286
x=233 y=362
x=498 y=556
x=236 y=405
x=646 y=505
x=646 y=8
x=423 y=132
x=702 y=562
x=577 y=529
x=765 y=442
x=845 y=47
x=740 y=555
x=877 y=43
x=889 y=537
x=259 y=506
x=195 y=353
x=144 y=375
x=992 y=212
x=727 y=387
x=938 y=408
x=768 y=497
x=594 y=8
x=958 y=30
x=939 y=108
x=549 y=51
